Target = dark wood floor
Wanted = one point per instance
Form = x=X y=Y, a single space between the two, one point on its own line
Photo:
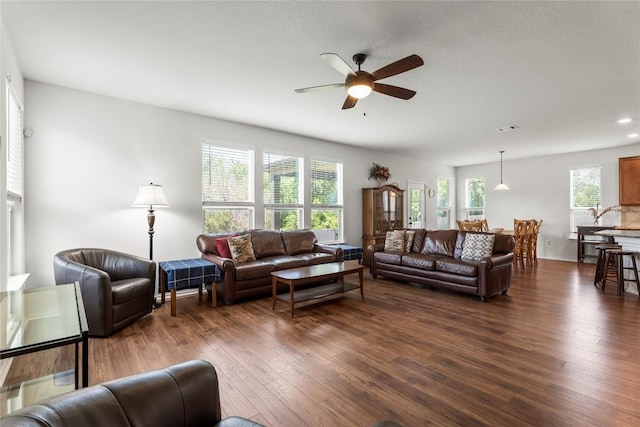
x=555 y=351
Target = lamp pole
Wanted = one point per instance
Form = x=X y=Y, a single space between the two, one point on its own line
x=151 y=219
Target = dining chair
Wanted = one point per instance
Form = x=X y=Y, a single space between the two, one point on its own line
x=522 y=236
x=470 y=225
x=533 y=242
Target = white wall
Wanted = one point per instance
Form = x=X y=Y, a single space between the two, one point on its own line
x=540 y=189
x=89 y=154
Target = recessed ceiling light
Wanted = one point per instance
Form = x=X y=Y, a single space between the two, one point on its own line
x=624 y=121
x=507 y=128
x=633 y=135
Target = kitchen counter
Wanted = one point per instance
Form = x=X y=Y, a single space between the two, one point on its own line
x=635 y=234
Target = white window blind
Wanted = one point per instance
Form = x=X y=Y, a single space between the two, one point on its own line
x=227 y=188
x=282 y=179
x=326 y=200
x=282 y=185
x=326 y=183
x=227 y=174
x=14 y=148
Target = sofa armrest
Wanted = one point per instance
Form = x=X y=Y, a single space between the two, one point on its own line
x=228 y=269
x=95 y=286
x=337 y=252
x=224 y=264
x=498 y=259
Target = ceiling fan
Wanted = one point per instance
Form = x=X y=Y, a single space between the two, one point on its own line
x=360 y=83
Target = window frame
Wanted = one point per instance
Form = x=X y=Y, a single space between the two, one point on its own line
x=14 y=181
x=467 y=206
x=275 y=207
x=583 y=211
x=337 y=207
x=248 y=205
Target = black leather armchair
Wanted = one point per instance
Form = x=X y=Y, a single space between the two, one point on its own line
x=184 y=395
x=117 y=288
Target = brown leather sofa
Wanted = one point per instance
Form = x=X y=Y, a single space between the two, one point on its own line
x=184 y=395
x=435 y=260
x=117 y=288
x=274 y=250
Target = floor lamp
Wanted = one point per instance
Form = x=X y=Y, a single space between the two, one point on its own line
x=149 y=196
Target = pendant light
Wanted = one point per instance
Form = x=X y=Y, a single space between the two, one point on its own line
x=502 y=185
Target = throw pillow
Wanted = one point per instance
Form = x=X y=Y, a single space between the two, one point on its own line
x=408 y=239
x=223 y=246
x=477 y=246
x=241 y=248
x=394 y=241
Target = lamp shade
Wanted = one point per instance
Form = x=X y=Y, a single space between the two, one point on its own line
x=150 y=195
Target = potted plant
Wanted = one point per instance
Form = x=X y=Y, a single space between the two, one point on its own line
x=380 y=173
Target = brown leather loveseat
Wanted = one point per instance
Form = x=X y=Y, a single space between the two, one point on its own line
x=184 y=395
x=273 y=250
x=435 y=258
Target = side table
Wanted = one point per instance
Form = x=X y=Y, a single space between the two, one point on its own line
x=45 y=318
x=351 y=253
x=184 y=274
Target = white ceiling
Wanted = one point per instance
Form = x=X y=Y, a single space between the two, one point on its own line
x=563 y=72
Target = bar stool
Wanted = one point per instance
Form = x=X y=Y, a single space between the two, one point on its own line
x=615 y=257
x=601 y=263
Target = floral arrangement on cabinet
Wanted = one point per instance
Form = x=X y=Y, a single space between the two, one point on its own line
x=380 y=173
x=597 y=215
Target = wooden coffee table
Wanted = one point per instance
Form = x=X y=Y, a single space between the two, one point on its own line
x=314 y=274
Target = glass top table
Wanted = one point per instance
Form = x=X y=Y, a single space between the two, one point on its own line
x=39 y=319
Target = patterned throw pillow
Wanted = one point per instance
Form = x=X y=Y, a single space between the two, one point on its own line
x=477 y=246
x=394 y=242
x=408 y=239
x=241 y=248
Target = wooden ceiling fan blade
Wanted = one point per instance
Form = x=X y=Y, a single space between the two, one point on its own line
x=400 y=66
x=350 y=102
x=395 y=91
x=315 y=88
x=338 y=63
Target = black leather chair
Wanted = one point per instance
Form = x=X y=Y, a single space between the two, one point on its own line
x=184 y=395
x=117 y=288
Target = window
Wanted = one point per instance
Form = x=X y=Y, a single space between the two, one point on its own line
x=585 y=193
x=227 y=188
x=474 y=198
x=443 y=203
x=283 y=195
x=14 y=149
x=14 y=182
x=326 y=200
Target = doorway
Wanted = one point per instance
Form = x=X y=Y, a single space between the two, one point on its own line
x=417 y=204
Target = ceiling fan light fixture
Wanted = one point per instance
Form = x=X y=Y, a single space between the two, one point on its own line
x=359 y=85
x=359 y=90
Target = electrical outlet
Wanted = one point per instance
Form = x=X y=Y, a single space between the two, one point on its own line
x=547 y=242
